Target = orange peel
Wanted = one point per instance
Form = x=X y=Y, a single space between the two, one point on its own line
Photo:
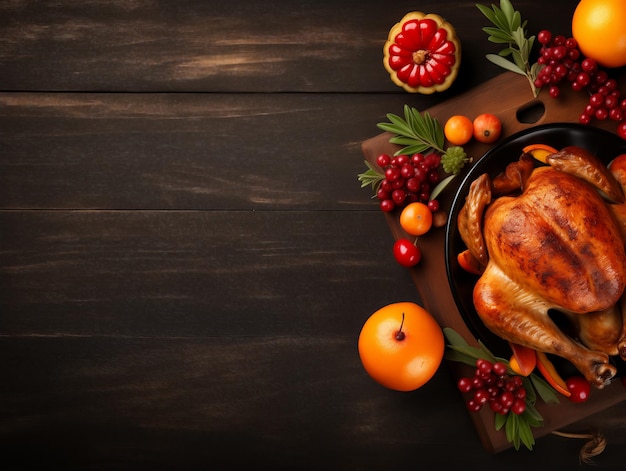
x=524 y=359
x=547 y=369
x=539 y=151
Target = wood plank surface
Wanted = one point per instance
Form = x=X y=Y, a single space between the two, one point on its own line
x=189 y=273
x=186 y=255
x=235 y=46
x=186 y=151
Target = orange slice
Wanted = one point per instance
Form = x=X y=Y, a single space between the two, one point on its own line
x=469 y=263
x=548 y=371
x=523 y=360
x=539 y=151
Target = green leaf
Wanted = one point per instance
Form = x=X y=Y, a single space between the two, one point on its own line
x=509 y=28
x=452 y=355
x=495 y=33
x=441 y=185
x=516 y=21
x=458 y=344
x=510 y=428
x=414 y=149
x=532 y=416
x=454 y=337
x=486 y=350
x=544 y=390
x=415 y=129
x=475 y=353
x=505 y=64
x=418 y=121
x=402 y=140
x=395 y=119
x=412 y=118
x=388 y=127
x=488 y=12
x=519 y=38
x=500 y=19
x=525 y=434
x=518 y=60
x=459 y=350
x=370 y=177
x=499 y=421
x=507 y=9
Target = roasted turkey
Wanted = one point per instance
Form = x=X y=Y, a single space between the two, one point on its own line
x=550 y=240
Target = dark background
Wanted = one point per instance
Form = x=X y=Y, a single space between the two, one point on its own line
x=186 y=255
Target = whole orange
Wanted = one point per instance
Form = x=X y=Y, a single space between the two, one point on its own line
x=401 y=346
x=458 y=130
x=599 y=27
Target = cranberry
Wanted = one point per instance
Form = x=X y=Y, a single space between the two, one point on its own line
x=383 y=160
x=544 y=37
x=579 y=388
x=433 y=205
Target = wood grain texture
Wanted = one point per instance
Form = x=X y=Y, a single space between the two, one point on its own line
x=190 y=273
x=200 y=46
x=186 y=151
x=186 y=255
x=191 y=45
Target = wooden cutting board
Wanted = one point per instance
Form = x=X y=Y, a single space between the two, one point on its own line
x=509 y=97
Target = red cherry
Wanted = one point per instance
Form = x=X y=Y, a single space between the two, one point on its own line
x=406 y=253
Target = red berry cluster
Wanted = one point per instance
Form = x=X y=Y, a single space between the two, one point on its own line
x=408 y=179
x=563 y=62
x=491 y=384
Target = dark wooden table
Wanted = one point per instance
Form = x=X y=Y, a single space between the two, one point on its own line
x=186 y=255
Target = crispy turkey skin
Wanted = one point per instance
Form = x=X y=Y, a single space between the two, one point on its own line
x=557 y=245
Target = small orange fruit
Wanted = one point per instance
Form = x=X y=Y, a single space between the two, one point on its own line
x=458 y=130
x=401 y=346
x=599 y=27
x=416 y=218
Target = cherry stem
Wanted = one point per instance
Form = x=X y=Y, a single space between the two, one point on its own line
x=399 y=334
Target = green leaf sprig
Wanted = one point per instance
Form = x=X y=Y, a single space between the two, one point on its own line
x=517 y=428
x=509 y=29
x=417 y=132
x=371 y=177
